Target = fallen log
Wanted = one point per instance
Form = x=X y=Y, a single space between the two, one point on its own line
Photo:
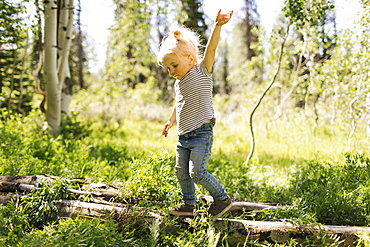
x=101 y=204
x=281 y=232
x=268 y=226
x=25 y=179
x=240 y=206
x=239 y=231
x=37 y=179
x=249 y=206
x=12 y=187
x=107 y=195
x=75 y=208
x=29 y=183
x=104 y=191
x=5 y=197
x=72 y=208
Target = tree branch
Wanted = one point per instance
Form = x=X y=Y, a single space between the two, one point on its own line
x=263 y=95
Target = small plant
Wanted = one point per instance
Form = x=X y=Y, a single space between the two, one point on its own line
x=152 y=181
x=40 y=206
x=154 y=232
x=197 y=232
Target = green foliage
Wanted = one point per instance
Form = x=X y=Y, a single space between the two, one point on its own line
x=25 y=150
x=15 y=84
x=73 y=128
x=14 y=224
x=39 y=206
x=294 y=214
x=336 y=194
x=232 y=174
x=19 y=216
x=77 y=232
x=129 y=153
x=152 y=181
x=303 y=11
x=129 y=43
x=364 y=239
x=192 y=16
x=301 y=131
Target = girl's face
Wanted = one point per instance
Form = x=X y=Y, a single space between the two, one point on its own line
x=178 y=66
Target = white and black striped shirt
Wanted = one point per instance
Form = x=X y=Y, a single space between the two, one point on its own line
x=194 y=99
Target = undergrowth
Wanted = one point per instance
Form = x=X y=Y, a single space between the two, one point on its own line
x=309 y=190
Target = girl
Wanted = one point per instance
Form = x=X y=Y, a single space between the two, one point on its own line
x=194 y=113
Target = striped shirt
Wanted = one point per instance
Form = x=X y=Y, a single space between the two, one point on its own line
x=194 y=99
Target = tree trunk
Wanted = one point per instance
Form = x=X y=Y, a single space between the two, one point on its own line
x=50 y=66
x=65 y=39
x=56 y=50
x=80 y=53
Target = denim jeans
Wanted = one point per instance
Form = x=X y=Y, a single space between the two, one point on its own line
x=192 y=153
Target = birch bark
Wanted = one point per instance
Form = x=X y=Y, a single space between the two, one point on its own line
x=65 y=38
x=57 y=42
x=50 y=66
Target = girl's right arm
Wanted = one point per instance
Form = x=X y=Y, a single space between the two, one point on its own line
x=209 y=55
x=169 y=122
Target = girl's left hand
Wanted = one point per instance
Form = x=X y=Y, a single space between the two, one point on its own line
x=222 y=19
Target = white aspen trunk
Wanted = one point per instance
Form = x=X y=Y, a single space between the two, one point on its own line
x=66 y=93
x=62 y=30
x=65 y=33
x=50 y=66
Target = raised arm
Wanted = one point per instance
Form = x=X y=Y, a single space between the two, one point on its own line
x=210 y=52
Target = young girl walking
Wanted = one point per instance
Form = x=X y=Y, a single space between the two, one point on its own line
x=179 y=53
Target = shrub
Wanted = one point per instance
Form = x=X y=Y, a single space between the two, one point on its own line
x=39 y=205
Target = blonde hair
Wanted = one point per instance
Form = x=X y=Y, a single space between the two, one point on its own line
x=181 y=41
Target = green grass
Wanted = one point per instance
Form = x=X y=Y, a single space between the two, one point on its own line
x=319 y=177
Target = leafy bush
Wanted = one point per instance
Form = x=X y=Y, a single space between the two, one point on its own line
x=198 y=232
x=26 y=150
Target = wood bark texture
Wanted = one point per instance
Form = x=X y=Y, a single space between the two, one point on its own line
x=57 y=42
x=50 y=65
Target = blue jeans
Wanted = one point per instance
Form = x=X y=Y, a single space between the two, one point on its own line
x=192 y=153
